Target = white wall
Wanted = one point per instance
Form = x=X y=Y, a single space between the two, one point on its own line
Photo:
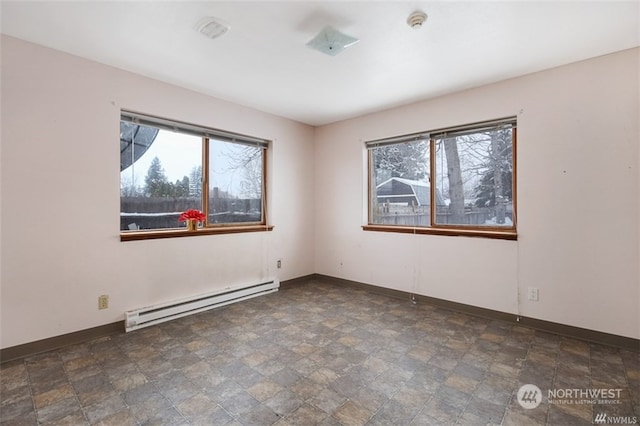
x=578 y=187
x=60 y=198
x=578 y=191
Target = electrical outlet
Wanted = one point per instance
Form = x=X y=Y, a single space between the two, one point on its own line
x=279 y=263
x=533 y=294
x=103 y=302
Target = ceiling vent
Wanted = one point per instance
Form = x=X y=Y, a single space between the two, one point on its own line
x=212 y=27
x=331 y=41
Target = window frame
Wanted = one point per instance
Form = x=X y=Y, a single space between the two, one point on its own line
x=485 y=231
x=207 y=135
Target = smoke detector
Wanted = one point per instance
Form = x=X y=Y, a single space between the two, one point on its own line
x=212 y=27
x=416 y=19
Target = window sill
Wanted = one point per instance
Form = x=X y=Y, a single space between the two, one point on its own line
x=177 y=233
x=456 y=232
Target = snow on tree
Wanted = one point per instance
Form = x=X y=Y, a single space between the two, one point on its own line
x=156 y=182
x=195 y=181
x=407 y=160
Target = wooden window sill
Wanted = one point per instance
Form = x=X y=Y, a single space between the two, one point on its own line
x=456 y=232
x=178 y=233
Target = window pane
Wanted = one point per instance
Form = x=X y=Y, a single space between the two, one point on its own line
x=235 y=183
x=474 y=173
x=162 y=177
x=400 y=184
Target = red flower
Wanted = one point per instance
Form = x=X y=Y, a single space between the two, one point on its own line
x=192 y=215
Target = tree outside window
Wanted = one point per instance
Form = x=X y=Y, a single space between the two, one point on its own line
x=458 y=178
x=171 y=167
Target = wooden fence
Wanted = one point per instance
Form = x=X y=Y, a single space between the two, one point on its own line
x=420 y=216
x=163 y=212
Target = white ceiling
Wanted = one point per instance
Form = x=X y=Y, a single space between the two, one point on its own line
x=263 y=61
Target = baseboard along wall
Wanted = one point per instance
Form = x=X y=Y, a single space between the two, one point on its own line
x=622 y=342
x=592 y=336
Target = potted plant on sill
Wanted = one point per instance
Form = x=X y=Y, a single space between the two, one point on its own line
x=192 y=217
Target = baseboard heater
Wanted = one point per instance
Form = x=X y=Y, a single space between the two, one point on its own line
x=157 y=314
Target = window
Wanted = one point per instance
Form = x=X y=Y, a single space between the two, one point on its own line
x=167 y=167
x=457 y=181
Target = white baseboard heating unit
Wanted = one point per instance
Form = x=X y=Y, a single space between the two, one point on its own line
x=157 y=314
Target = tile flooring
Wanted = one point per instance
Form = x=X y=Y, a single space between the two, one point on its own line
x=318 y=353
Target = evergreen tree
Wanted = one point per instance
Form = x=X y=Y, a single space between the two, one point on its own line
x=405 y=160
x=181 y=187
x=195 y=182
x=496 y=182
x=156 y=183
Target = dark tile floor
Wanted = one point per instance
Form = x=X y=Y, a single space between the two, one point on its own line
x=317 y=353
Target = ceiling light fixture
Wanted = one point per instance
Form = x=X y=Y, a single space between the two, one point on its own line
x=416 y=19
x=212 y=27
x=331 y=41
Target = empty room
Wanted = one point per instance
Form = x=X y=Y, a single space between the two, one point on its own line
x=324 y=213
